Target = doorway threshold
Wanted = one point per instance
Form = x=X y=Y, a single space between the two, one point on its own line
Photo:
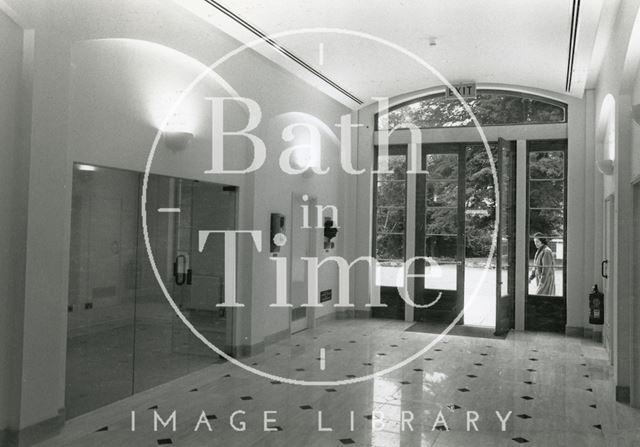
x=458 y=330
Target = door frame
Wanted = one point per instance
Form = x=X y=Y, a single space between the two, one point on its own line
x=608 y=241
x=296 y=201
x=635 y=337
x=506 y=317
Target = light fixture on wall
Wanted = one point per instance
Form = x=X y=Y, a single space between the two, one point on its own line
x=605 y=166
x=635 y=112
x=177 y=140
x=83 y=167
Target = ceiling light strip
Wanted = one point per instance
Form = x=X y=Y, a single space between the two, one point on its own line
x=573 y=37
x=281 y=49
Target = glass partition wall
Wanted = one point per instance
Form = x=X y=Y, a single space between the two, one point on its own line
x=123 y=336
x=390 y=203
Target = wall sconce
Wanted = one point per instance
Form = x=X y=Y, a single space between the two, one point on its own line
x=83 y=167
x=177 y=141
x=635 y=112
x=605 y=166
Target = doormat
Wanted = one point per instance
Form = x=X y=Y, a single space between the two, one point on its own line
x=458 y=330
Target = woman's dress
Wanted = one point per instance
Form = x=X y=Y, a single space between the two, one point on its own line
x=544 y=271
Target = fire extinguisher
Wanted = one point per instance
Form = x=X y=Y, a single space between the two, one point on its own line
x=596 y=306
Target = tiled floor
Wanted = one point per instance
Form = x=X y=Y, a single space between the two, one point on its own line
x=558 y=390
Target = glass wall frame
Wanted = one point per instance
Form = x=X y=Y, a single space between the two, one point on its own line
x=390 y=262
x=547 y=192
x=122 y=335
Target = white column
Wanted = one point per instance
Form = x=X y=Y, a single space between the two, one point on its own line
x=44 y=333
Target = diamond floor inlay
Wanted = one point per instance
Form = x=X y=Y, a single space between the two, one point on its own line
x=569 y=399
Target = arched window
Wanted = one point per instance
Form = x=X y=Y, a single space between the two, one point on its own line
x=491 y=108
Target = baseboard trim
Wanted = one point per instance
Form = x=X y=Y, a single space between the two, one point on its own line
x=247 y=350
x=327 y=317
x=623 y=394
x=574 y=331
x=363 y=314
x=346 y=314
x=35 y=433
x=589 y=333
x=275 y=338
x=7 y=438
x=596 y=334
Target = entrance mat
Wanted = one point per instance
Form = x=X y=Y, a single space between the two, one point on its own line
x=459 y=330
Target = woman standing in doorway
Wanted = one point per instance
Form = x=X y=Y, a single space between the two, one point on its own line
x=543 y=270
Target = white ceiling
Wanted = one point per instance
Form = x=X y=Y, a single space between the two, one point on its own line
x=518 y=42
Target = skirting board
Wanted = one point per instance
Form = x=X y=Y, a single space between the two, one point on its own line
x=6 y=438
x=275 y=338
x=247 y=350
x=593 y=334
x=574 y=331
x=347 y=314
x=590 y=333
x=33 y=434
x=326 y=317
x=623 y=394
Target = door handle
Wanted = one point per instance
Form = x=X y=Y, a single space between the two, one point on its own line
x=180 y=264
x=602 y=270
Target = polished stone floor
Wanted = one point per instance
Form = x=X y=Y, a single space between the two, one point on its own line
x=558 y=390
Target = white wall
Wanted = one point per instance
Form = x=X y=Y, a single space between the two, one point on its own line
x=635 y=323
x=635 y=142
x=617 y=77
x=13 y=172
x=98 y=90
x=113 y=117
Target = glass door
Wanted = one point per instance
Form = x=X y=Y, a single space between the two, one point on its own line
x=440 y=234
x=123 y=336
x=177 y=209
x=198 y=277
x=157 y=349
x=505 y=256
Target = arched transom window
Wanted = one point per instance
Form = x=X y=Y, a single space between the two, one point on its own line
x=491 y=108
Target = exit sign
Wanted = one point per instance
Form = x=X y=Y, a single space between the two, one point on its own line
x=466 y=90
